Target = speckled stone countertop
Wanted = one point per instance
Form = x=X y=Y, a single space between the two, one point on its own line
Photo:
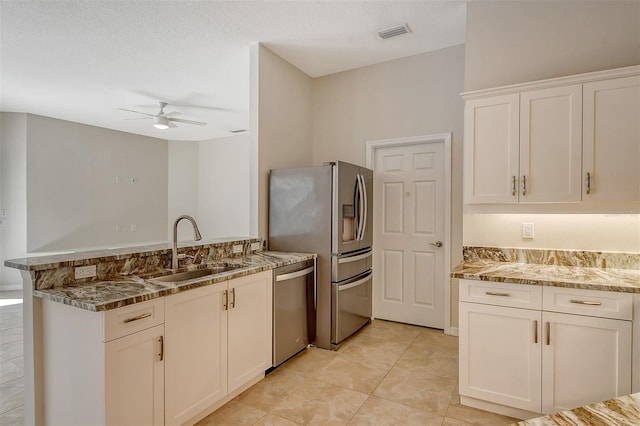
x=551 y=268
x=115 y=293
x=622 y=411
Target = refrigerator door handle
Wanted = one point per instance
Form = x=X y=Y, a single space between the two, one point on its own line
x=361 y=207
x=355 y=258
x=365 y=207
x=354 y=284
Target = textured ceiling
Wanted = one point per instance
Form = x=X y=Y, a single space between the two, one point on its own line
x=82 y=60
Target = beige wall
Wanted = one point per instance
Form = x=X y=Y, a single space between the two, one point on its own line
x=283 y=122
x=513 y=42
x=517 y=41
x=79 y=190
x=13 y=195
x=417 y=95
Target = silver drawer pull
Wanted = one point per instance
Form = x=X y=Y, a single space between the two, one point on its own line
x=493 y=293
x=586 y=302
x=139 y=317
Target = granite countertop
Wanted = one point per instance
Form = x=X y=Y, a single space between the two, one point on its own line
x=620 y=280
x=622 y=411
x=112 y=294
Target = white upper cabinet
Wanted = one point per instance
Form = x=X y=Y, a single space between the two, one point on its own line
x=611 y=140
x=551 y=144
x=563 y=140
x=491 y=149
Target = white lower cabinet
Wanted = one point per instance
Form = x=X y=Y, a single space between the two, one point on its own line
x=134 y=378
x=539 y=361
x=170 y=360
x=585 y=360
x=218 y=339
x=196 y=352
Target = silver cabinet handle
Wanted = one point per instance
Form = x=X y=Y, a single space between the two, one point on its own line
x=437 y=244
x=513 y=186
x=535 y=331
x=493 y=293
x=226 y=300
x=161 y=354
x=233 y=298
x=585 y=302
x=588 y=183
x=366 y=207
x=139 y=317
x=548 y=331
x=524 y=185
x=354 y=284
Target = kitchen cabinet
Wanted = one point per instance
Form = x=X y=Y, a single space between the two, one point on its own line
x=611 y=140
x=563 y=140
x=196 y=351
x=524 y=147
x=134 y=378
x=218 y=339
x=103 y=368
x=542 y=349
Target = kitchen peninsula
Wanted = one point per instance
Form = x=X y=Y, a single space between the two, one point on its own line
x=117 y=331
x=543 y=331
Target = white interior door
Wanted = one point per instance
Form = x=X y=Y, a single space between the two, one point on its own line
x=410 y=238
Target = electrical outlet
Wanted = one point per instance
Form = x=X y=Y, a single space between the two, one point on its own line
x=133 y=227
x=237 y=248
x=255 y=246
x=3 y=213
x=133 y=180
x=85 y=272
x=527 y=230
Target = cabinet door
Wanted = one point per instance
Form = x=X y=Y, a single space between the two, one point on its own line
x=134 y=379
x=491 y=149
x=250 y=327
x=585 y=360
x=551 y=144
x=195 y=351
x=612 y=140
x=500 y=355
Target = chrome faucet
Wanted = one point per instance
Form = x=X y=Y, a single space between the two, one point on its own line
x=196 y=236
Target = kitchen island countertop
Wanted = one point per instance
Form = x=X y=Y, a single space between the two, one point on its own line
x=622 y=411
x=115 y=293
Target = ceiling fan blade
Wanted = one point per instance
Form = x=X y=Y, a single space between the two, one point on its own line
x=137 y=112
x=171 y=114
x=170 y=124
x=180 y=120
x=139 y=118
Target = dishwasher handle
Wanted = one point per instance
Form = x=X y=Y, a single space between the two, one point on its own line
x=296 y=274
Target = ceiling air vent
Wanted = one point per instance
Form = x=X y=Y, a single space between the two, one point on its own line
x=394 y=31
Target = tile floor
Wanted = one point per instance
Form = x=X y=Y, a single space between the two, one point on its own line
x=387 y=374
x=11 y=361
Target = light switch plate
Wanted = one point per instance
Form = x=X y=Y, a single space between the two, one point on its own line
x=237 y=248
x=527 y=230
x=85 y=272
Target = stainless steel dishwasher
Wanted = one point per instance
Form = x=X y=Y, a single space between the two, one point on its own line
x=294 y=316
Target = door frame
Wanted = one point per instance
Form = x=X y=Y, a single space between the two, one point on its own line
x=445 y=138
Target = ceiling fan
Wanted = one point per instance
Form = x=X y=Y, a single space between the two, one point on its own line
x=163 y=120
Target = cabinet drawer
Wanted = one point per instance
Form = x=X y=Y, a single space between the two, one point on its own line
x=605 y=304
x=502 y=294
x=130 y=319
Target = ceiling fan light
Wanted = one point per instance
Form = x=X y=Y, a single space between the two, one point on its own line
x=161 y=123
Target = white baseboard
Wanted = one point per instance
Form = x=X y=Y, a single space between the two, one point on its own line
x=10 y=287
x=453 y=331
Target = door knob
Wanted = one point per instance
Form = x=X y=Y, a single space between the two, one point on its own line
x=437 y=244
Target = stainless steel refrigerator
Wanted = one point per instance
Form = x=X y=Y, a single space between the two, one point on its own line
x=328 y=210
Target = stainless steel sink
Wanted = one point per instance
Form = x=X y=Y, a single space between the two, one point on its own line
x=198 y=273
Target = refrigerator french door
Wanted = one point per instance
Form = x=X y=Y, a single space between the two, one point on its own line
x=328 y=210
